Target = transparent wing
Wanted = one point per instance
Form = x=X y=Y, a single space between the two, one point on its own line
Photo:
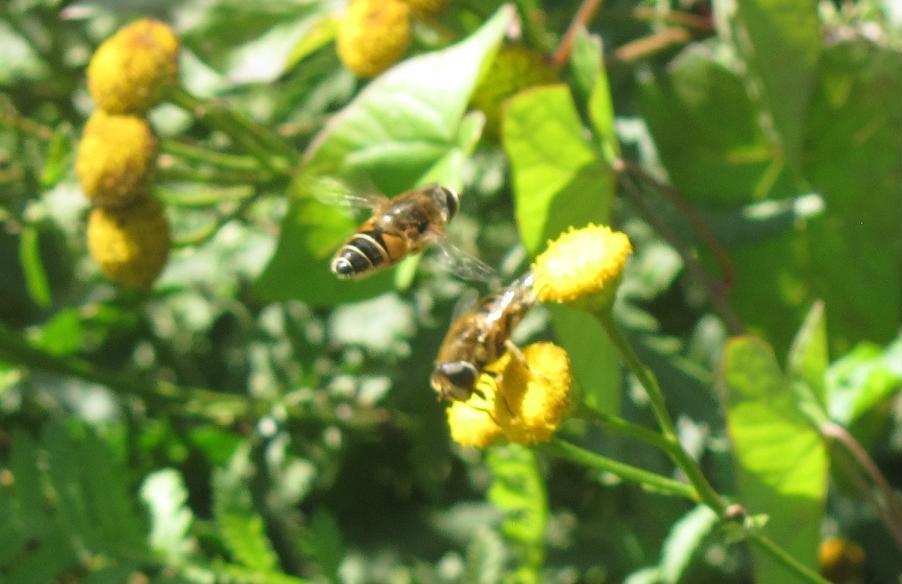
x=336 y=192
x=465 y=303
x=463 y=264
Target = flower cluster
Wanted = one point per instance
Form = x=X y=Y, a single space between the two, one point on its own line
x=128 y=235
x=373 y=35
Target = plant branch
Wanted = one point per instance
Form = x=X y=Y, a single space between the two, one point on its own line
x=269 y=149
x=893 y=511
x=790 y=563
x=581 y=19
x=626 y=472
x=194 y=153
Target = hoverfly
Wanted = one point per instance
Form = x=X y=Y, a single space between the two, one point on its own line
x=478 y=337
x=400 y=226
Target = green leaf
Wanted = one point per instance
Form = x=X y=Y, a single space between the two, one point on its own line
x=585 y=62
x=405 y=128
x=683 y=541
x=166 y=497
x=319 y=35
x=859 y=381
x=781 y=459
x=853 y=142
x=809 y=356
x=518 y=491
x=485 y=558
x=240 y=525
x=559 y=178
x=780 y=41
x=33 y=267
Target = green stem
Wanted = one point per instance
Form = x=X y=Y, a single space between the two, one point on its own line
x=626 y=472
x=640 y=370
x=199 y=154
x=270 y=150
x=790 y=563
x=623 y=426
x=647 y=378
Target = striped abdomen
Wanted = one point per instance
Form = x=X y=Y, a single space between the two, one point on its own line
x=370 y=249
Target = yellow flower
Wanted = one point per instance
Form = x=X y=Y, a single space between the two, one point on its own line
x=115 y=159
x=584 y=263
x=519 y=402
x=840 y=560
x=373 y=35
x=427 y=8
x=514 y=69
x=129 y=70
x=130 y=245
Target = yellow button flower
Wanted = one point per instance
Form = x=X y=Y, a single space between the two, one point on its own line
x=129 y=70
x=115 y=159
x=130 y=245
x=584 y=263
x=519 y=402
x=373 y=35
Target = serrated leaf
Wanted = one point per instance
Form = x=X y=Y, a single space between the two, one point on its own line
x=400 y=131
x=241 y=527
x=683 y=541
x=780 y=41
x=518 y=491
x=780 y=457
x=166 y=497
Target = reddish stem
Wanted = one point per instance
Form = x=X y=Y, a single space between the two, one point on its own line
x=581 y=19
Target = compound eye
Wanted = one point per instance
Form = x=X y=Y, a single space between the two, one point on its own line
x=460 y=374
x=452 y=201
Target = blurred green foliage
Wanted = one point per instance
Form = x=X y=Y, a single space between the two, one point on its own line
x=253 y=419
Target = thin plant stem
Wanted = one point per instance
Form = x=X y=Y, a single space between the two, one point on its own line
x=659 y=483
x=892 y=515
x=622 y=426
x=266 y=148
x=656 y=398
x=581 y=19
x=768 y=545
x=194 y=153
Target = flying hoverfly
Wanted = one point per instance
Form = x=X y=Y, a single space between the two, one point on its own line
x=400 y=226
x=478 y=337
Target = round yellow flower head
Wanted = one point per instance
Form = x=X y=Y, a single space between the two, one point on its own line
x=427 y=8
x=584 y=263
x=471 y=421
x=115 y=159
x=517 y=402
x=129 y=70
x=130 y=245
x=373 y=35
x=533 y=397
x=840 y=560
x=514 y=69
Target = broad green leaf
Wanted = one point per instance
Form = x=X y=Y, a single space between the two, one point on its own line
x=165 y=495
x=585 y=62
x=852 y=147
x=859 y=381
x=706 y=129
x=683 y=541
x=407 y=127
x=780 y=41
x=781 y=459
x=808 y=356
x=240 y=525
x=560 y=181
x=518 y=491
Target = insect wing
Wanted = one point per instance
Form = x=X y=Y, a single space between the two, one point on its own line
x=335 y=192
x=462 y=263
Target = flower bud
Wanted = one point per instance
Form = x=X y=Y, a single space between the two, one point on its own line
x=129 y=70
x=115 y=159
